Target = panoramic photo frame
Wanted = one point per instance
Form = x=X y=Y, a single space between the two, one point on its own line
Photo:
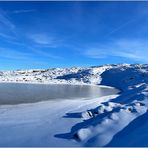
x=73 y=73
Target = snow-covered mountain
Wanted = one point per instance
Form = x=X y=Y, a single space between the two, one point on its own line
x=90 y=75
x=115 y=120
x=55 y=75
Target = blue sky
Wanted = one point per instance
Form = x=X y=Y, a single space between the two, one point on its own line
x=67 y=34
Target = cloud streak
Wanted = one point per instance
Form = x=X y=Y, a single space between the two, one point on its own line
x=44 y=40
x=120 y=27
x=140 y=14
x=41 y=39
x=45 y=54
x=135 y=50
x=8 y=30
x=13 y=54
x=5 y=21
x=22 y=11
x=6 y=36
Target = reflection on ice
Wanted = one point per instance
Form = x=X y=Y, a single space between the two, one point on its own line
x=15 y=93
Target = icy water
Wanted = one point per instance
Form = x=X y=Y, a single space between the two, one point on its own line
x=16 y=93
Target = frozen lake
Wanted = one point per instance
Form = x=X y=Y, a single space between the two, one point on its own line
x=16 y=93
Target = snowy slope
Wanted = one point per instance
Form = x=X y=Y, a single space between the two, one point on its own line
x=55 y=75
x=108 y=121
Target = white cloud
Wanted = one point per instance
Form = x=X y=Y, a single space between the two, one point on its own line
x=45 y=54
x=95 y=53
x=22 y=11
x=23 y=55
x=120 y=27
x=136 y=50
x=44 y=40
x=41 y=38
x=13 y=54
x=7 y=27
x=5 y=21
x=7 y=36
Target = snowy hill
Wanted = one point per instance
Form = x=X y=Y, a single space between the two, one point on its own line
x=115 y=120
x=55 y=75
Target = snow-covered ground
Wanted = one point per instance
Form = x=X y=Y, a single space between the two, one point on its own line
x=115 y=120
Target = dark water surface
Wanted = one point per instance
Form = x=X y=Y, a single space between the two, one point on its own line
x=15 y=93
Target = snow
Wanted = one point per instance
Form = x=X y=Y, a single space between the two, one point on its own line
x=115 y=120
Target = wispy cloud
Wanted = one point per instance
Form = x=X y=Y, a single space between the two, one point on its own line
x=46 y=54
x=44 y=40
x=7 y=27
x=140 y=14
x=14 y=54
x=22 y=11
x=95 y=53
x=29 y=59
x=125 y=24
x=41 y=39
x=5 y=21
x=7 y=36
x=136 y=50
x=32 y=54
